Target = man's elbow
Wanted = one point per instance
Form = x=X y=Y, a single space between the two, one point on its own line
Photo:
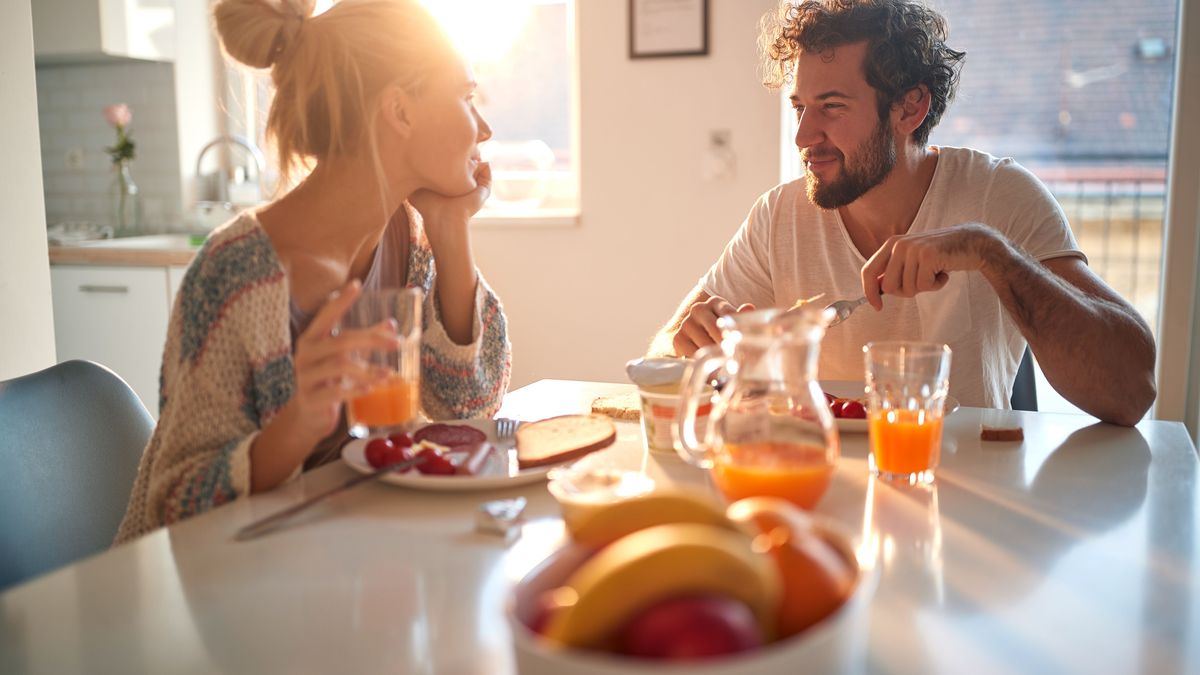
x=1136 y=393
x=1136 y=400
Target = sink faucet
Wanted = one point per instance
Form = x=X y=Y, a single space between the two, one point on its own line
x=219 y=182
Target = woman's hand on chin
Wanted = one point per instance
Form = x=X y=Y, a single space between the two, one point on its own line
x=440 y=211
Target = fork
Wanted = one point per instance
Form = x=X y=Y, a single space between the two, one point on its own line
x=506 y=427
x=842 y=309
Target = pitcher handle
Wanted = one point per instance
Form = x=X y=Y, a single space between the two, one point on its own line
x=694 y=450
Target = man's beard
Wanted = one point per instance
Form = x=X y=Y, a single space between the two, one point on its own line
x=877 y=157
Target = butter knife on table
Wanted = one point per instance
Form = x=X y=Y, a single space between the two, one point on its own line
x=265 y=525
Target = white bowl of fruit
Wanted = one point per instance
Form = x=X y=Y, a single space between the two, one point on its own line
x=675 y=581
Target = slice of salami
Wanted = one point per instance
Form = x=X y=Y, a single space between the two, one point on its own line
x=450 y=434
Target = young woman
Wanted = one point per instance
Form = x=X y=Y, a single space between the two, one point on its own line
x=373 y=98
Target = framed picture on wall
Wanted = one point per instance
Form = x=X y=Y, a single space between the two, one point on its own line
x=659 y=28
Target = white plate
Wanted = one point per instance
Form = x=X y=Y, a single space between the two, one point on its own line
x=500 y=471
x=853 y=389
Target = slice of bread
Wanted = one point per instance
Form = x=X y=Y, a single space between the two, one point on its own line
x=992 y=433
x=627 y=407
x=562 y=439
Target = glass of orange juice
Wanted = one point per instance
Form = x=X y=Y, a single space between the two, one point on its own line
x=391 y=405
x=906 y=394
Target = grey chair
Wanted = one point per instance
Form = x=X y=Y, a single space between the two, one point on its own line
x=71 y=437
x=1024 y=393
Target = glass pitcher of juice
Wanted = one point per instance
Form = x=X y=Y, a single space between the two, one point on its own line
x=770 y=431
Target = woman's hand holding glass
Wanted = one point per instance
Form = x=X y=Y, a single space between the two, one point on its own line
x=327 y=370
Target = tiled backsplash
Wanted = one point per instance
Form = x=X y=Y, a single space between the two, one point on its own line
x=71 y=100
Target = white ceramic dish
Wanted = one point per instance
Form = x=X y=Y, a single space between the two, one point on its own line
x=853 y=389
x=500 y=470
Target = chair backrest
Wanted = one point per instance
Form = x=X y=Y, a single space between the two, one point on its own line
x=71 y=437
x=1024 y=393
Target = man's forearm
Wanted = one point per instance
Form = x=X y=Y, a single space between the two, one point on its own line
x=1096 y=351
x=662 y=344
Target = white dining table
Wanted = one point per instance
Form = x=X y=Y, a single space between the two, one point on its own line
x=1074 y=551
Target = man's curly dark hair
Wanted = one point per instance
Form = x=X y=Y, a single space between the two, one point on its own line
x=906 y=47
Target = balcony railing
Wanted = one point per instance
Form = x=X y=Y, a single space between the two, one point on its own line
x=1119 y=225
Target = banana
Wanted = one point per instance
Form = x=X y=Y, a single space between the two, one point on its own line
x=601 y=526
x=657 y=563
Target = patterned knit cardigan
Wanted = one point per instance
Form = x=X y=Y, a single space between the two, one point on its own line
x=227 y=370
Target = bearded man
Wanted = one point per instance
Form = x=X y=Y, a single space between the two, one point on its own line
x=947 y=244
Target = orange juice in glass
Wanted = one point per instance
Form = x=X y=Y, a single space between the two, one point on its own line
x=906 y=393
x=393 y=403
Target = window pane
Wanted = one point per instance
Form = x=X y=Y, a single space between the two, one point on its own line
x=1081 y=95
x=521 y=53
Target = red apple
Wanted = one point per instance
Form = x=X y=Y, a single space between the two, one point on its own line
x=691 y=627
x=544 y=607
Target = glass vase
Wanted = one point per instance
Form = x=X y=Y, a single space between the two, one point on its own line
x=126 y=203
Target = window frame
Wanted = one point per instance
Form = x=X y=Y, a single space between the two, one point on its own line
x=1178 y=368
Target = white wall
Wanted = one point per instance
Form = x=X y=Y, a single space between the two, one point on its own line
x=581 y=301
x=196 y=62
x=26 y=322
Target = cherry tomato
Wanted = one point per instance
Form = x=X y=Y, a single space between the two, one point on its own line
x=836 y=406
x=830 y=399
x=399 y=454
x=378 y=451
x=854 y=410
x=435 y=463
x=401 y=440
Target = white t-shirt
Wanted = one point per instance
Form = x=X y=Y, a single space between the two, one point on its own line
x=788 y=249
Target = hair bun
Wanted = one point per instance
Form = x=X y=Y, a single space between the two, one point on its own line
x=256 y=32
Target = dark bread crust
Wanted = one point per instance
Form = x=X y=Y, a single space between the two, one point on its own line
x=541 y=443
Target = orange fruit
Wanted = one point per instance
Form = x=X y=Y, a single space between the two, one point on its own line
x=816 y=576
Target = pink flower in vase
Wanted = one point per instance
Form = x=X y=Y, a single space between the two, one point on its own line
x=118 y=115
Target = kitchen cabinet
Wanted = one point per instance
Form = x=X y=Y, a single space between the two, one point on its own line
x=115 y=316
x=174 y=279
x=90 y=30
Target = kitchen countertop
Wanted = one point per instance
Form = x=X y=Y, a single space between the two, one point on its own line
x=155 y=250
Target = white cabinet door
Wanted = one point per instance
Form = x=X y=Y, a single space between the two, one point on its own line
x=174 y=281
x=72 y=30
x=115 y=316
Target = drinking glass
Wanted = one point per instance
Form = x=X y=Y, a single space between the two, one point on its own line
x=391 y=405
x=906 y=394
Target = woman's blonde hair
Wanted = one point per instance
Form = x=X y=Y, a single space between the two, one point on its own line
x=329 y=70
